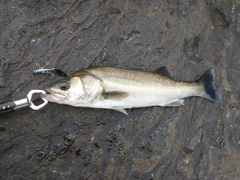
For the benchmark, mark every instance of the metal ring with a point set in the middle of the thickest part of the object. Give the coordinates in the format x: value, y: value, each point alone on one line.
x: 29, y: 97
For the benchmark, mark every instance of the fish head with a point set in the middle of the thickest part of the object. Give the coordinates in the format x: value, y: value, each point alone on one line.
x: 76, y: 90
x: 66, y: 91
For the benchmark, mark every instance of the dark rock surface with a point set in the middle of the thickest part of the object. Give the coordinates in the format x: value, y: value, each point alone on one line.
x: 200, y: 140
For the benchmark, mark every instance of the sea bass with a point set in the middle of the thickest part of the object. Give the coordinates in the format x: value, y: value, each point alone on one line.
x: 119, y: 88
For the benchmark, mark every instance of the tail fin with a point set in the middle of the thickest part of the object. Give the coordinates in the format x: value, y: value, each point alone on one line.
x: 207, y: 80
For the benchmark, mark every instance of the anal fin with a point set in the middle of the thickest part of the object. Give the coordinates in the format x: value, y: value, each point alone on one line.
x: 178, y: 102
x: 120, y: 110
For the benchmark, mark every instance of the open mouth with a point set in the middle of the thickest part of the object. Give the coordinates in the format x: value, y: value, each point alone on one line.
x: 51, y: 92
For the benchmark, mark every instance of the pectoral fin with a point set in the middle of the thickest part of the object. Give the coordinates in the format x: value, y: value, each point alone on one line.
x: 178, y: 102
x: 115, y: 95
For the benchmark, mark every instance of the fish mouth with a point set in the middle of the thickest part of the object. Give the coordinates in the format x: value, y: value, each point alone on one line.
x: 51, y: 93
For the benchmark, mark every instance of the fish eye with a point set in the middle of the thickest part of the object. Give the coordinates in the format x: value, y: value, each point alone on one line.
x: 64, y: 86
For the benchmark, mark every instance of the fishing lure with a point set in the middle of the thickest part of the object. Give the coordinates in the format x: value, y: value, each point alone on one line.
x: 51, y: 71
x: 44, y: 70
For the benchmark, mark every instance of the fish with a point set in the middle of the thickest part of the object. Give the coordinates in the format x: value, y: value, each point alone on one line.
x: 121, y: 88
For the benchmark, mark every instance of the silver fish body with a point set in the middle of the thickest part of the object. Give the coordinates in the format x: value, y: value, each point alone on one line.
x: 119, y: 88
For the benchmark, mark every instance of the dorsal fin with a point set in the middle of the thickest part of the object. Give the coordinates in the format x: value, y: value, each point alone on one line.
x: 164, y: 72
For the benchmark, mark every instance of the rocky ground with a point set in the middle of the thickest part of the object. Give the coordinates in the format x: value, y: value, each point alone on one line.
x: 200, y: 140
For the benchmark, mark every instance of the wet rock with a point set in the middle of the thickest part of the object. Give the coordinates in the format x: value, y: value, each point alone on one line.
x: 2, y: 80
x: 220, y: 19
x: 194, y: 140
x: 65, y: 142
